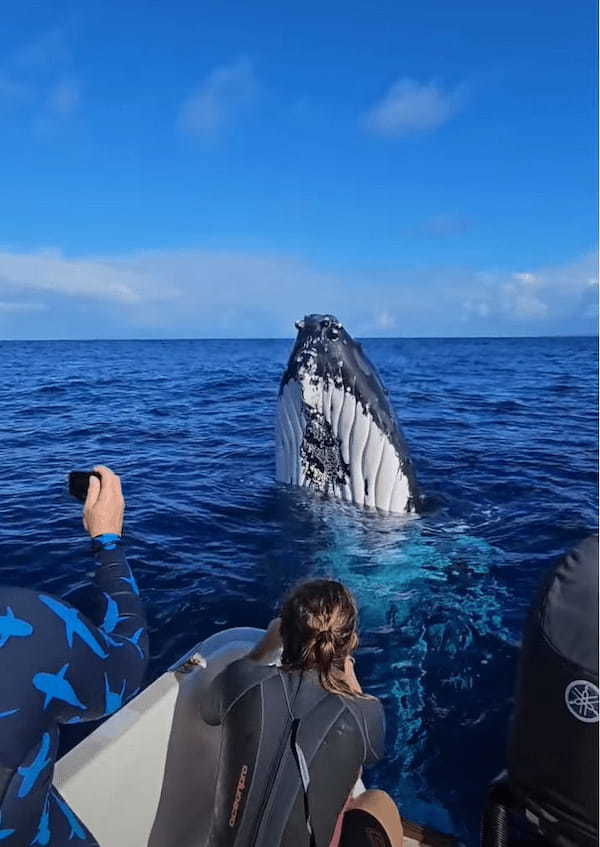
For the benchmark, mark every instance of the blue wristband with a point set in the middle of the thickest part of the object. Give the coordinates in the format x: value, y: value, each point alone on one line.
x: 108, y: 540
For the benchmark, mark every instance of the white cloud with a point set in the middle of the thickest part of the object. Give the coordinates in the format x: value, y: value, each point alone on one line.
x: 521, y: 298
x: 38, y: 76
x: 410, y: 106
x: 16, y: 306
x: 259, y: 294
x: 385, y: 320
x: 89, y: 278
x: 227, y: 92
x: 533, y: 297
x: 526, y: 278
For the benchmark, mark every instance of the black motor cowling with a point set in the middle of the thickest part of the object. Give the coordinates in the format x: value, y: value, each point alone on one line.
x: 553, y: 744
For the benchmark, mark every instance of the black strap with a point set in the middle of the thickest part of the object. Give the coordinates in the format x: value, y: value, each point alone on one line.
x: 300, y: 759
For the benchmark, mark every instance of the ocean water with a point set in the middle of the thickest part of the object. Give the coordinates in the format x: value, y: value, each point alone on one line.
x: 503, y: 434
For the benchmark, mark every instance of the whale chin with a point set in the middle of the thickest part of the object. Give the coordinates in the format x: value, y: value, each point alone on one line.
x: 336, y: 431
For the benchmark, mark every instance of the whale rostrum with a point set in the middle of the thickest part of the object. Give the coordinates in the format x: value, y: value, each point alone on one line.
x: 336, y: 431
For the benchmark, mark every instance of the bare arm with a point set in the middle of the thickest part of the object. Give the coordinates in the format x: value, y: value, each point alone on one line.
x: 270, y: 642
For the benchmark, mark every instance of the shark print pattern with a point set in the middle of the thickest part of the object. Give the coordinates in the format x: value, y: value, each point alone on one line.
x: 33, y: 771
x: 5, y: 833
x: 8, y: 713
x: 76, y: 829
x: 73, y: 625
x: 12, y: 627
x: 62, y: 667
x: 113, y: 700
x: 43, y: 834
x: 56, y: 687
x: 112, y: 618
x: 135, y: 640
x: 130, y: 580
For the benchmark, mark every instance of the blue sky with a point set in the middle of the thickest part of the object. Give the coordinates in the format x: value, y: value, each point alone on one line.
x: 220, y: 169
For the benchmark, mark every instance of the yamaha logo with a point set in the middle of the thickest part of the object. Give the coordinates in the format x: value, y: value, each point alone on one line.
x: 583, y: 700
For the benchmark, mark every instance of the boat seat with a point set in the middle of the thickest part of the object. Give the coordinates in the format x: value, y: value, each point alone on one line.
x: 145, y: 777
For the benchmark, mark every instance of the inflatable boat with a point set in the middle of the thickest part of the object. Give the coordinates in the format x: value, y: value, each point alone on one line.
x: 146, y: 776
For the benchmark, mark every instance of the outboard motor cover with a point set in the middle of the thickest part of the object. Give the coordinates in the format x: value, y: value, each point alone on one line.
x: 553, y: 745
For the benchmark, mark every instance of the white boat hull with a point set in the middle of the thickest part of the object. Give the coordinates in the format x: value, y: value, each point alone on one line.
x: 146, y: 776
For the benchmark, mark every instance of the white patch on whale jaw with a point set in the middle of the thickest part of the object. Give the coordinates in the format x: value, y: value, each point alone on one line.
x: 328, y: 441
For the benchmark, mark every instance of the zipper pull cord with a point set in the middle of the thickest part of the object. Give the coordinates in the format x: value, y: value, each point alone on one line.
x: 299, y: 756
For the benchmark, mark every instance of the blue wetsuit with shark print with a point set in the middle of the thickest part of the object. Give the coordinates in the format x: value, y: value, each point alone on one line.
x: 59, y: 666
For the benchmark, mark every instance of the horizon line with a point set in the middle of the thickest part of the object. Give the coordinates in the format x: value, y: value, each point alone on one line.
x: 291, y: 338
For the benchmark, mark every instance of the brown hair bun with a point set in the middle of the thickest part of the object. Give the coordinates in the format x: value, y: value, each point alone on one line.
x: 318, y: 630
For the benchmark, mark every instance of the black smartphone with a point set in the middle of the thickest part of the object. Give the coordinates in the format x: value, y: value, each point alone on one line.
x: 78, y: 483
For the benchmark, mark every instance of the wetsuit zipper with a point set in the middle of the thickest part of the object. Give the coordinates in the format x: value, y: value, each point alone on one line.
x: 271, y: 783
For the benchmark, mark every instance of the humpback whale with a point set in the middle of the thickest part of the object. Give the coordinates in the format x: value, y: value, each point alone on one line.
x: 336, y: 431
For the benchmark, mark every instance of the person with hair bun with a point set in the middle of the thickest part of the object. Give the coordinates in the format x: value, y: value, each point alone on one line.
x: 297, y: 731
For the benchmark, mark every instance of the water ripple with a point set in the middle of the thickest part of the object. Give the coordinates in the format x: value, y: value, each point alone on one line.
x: 504, y: 437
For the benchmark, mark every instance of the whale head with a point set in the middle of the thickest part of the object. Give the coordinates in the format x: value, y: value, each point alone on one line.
x: 336, y: 431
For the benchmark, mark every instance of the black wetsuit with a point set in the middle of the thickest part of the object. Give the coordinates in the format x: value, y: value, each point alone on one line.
x: 57, y: 667
x: 260, y: 800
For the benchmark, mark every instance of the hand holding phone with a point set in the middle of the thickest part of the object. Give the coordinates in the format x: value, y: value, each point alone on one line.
x: 79, y: 482
x: 104, y: 505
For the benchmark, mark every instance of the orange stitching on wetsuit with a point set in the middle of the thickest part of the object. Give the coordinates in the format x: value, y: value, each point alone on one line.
x: 238, y: 795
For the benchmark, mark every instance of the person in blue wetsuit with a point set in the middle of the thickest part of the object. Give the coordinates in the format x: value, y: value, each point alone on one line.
x: 58, y: 667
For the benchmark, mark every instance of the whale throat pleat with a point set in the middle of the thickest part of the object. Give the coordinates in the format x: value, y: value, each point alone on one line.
x: 372, y: 456
x: 290, y: 428
x: 400, y: 494
x: 386, y: 476
x: 358, y: 441
x: 346, y: 421
x: 296, y: 418
x: 338, y: 396
x: 321, y: 419
x: 282, y: 447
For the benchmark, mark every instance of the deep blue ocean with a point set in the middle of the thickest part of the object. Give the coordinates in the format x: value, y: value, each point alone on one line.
x: 503, y: 434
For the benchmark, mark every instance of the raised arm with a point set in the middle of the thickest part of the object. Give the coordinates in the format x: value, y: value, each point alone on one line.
x: 106, y: 662
x: 269, y: 644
